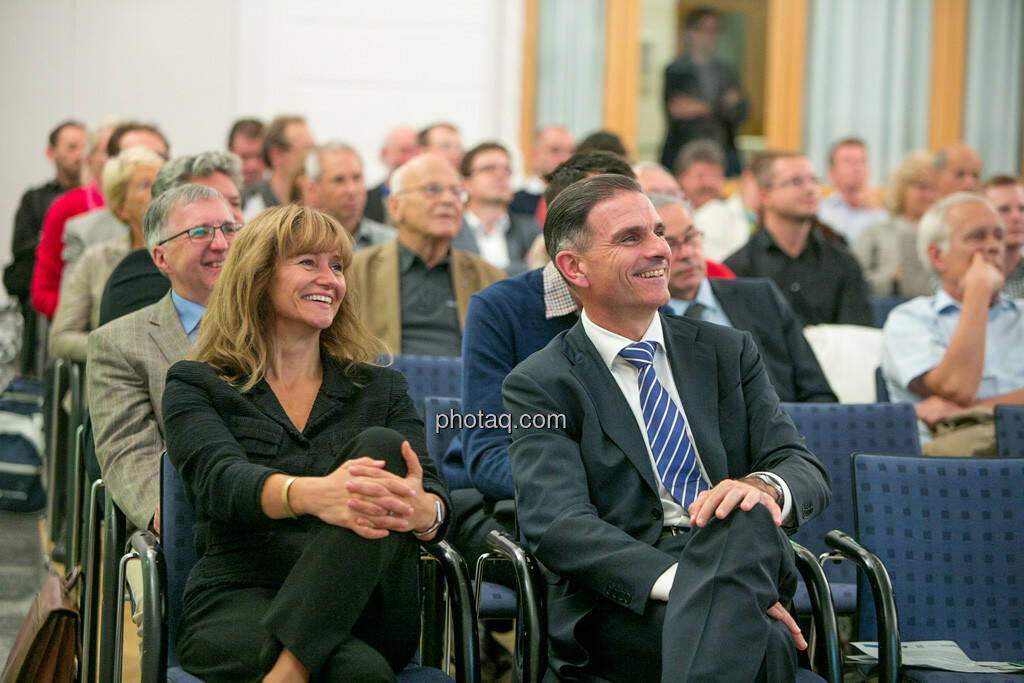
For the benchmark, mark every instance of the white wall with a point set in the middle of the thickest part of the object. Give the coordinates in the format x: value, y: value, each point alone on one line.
x: 355, y: 69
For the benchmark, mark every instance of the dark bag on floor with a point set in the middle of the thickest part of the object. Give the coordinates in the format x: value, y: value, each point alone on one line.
x: 47, y: 646
x: 21, y: 468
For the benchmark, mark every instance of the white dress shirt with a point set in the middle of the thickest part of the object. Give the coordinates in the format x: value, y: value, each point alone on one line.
x: 493, y: 243
x: 608, y: 345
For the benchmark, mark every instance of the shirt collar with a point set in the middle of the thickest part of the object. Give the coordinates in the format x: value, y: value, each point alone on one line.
x: 942, y: 303
x: 407, y: 258
x: 533, y: 185
x: 189, y: 313
x: 558, y: 299
x: 705, y: 297
x: 765, y: 241
x: 473, y: 221
x: 608, y: 344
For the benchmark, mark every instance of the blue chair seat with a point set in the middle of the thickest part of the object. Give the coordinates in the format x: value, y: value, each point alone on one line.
x: 844, y: 595
x: 497, y: 600
x: 933, y: 676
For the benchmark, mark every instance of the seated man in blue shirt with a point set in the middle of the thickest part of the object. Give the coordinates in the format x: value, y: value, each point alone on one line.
x: 961, y: 347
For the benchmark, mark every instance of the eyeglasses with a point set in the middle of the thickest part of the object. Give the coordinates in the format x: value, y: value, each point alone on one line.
x: 499, y: 169
x: 692, y: 238
x: 435, y: 190
x: 205, y: 233
x: 798, y: 181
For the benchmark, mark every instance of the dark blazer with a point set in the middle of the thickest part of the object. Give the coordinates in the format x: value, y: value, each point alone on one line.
x: 376, y: 206
x: 586, y: 494
x: 134, y: 283
x: 522, y: 231
x: 757, y: 306
x: 225, y: 443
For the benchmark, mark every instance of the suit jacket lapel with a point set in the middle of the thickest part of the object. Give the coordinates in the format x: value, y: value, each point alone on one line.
x: 166, y: 331
x: 613, y: 411
x: 694, y: 370
x: 464, y: 282
x: 385, y: 289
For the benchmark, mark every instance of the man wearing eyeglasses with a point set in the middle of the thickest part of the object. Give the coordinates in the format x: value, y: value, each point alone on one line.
x: 818, y: 275
x: 413, y: 291
x: 488, y: 228
x: 187, y: 230
x: 751, y: 304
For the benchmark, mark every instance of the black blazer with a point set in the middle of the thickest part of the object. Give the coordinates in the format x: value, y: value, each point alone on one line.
x: 225, y: 444
x: 757, y: 306
x: 586, y: 494
x: 376, y: 208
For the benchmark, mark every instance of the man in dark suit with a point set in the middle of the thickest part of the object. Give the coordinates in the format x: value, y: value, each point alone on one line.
x: 653, y: 468
x: 751, y: 304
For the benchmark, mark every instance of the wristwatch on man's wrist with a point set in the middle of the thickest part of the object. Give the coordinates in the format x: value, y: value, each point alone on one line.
x: 772, y: 484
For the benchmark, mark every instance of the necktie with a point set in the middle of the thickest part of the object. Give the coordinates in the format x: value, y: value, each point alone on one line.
x: 695, y: 310
x: 666, y: 428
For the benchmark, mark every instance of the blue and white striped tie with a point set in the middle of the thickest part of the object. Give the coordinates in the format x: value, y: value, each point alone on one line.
x: 666, y: 428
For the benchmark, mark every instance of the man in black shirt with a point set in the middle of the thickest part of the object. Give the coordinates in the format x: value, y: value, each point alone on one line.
x: 66, y: 150
x: 816, y: 273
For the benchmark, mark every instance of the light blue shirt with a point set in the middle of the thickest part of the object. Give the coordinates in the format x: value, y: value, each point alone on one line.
x: 189, y: 313
x: 846, y: 220
x: 712, y: 312
x: 917, y: 333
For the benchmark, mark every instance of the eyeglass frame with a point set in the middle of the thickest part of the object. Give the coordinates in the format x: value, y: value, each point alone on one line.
x: 213, y: 228
x: 435, y: 190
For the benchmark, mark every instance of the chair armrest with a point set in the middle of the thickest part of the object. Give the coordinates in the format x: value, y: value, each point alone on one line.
x: 531, y: 643
x: 829, y: 662
x: 889, y: 657
x: 456, y: 575
x: 153, y: 662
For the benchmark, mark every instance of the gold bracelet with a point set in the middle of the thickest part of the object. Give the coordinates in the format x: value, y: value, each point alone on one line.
x: 284, y: 497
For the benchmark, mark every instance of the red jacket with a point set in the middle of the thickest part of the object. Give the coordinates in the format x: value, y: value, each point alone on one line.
x: 49, y: 261
x: 719, y: 270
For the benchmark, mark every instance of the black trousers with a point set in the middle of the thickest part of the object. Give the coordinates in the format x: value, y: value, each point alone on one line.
x: 349, y: 610
x: 714, y: 626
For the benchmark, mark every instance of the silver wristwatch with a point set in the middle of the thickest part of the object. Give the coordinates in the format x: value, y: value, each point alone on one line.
x: 438, y: 520
x: 772, y: 484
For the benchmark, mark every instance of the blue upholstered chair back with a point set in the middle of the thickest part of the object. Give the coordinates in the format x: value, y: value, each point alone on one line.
x: 1010, y: 431
x: 833, y: 432
x: 430, y: 376
x: 176, y: 520
x: 438, y: 440
x: 881, y: 306
x: 950, y: 532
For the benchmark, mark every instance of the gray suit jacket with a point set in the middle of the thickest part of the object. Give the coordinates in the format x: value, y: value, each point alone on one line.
x: 128, y: 360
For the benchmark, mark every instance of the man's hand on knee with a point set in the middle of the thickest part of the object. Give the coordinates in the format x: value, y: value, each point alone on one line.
x: 777, y: 611
x: 727, y: 494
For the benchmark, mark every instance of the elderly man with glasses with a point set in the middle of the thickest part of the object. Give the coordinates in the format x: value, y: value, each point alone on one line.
x: 413, y: 291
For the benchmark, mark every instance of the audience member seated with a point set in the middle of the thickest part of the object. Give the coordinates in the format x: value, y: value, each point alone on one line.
x: 245, y: 140
x: 285, y: 143
x: 728, y: 223
x: 959, y: 169
x: 136, y: 282
x: 66, y: 149
x: 49, y: 265
x: 413, y: 291
x: 753, y: 305
x: 300, y: 459
x: 851, y: 206
x: 887, y: 251
x: 187, y: 229
x: 551, y: 146
x: 818, y: 275
x: 700, y: 170
x: 399, y: 146
x: 959, y: 348
x: 659, y: 534
x: 488, y: 227
x: 1007, y: 196
x: 126, y: 189
x: 335, y: 174
x: 442, y: 138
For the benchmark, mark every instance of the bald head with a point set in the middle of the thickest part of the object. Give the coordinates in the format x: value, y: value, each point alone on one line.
x: 399, y: 147
x: 426, y: 199
x: 959, y: 168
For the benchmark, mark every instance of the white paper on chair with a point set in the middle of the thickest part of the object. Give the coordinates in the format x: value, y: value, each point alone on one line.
x: 945, y: 655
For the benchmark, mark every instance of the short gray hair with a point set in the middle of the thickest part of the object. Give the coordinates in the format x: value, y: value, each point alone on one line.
x: 155, y: 219
x: 313, y: 167
x: 934, y: 228
x: 180, y: 170
x: 660, y: 201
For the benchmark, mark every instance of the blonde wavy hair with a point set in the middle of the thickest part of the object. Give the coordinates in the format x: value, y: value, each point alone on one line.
x: 914, y: 168
x: 236, y: 332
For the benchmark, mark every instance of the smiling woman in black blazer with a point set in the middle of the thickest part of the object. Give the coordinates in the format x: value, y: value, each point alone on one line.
x: 300, y: 459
